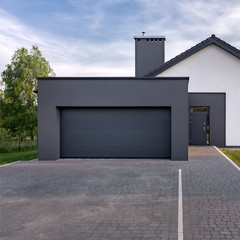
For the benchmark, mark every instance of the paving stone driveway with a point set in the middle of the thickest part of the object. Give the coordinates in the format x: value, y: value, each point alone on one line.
x: 120, y: 199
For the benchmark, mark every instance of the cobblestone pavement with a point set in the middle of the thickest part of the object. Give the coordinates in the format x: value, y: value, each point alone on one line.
x: 120, y: 199
x: 212, y: 196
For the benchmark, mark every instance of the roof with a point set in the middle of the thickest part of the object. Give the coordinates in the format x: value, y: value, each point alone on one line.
x: 112, y: 78
x: 211, y: 40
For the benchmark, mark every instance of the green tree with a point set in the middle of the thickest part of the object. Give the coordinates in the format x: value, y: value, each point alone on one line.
x: 18, y: 102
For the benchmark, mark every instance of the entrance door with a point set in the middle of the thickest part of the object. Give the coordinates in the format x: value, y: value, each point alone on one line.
x: 198, y: 128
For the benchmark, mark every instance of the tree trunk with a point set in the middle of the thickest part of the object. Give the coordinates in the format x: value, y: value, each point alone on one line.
x: 19, y: 141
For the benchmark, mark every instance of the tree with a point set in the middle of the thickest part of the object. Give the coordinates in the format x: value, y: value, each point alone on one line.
x: 18, y: 102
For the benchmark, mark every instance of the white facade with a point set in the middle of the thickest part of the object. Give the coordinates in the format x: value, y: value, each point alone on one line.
x: 214, y: 70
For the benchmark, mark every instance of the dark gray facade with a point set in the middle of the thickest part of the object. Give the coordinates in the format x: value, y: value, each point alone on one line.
x: 57, y: 93
x: 149, y: 54
x: 216, y: 104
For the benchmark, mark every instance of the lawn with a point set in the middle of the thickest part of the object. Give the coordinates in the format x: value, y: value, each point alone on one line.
x: 17, y: 156
x: 233, y: 155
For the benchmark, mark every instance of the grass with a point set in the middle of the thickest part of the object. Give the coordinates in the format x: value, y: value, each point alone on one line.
x: 17, y: 156
x: 233, y: 155
x: 9, y: 146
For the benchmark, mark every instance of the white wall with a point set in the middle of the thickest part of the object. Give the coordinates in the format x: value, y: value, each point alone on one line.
x: 214, y: 70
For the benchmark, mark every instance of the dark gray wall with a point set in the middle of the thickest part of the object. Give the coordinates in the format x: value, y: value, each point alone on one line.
x: 54, y: 93
x: 216, y: 104
x: 149, y: 54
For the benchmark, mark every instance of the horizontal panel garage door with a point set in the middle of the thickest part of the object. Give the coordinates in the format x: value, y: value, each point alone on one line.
x: 116, y: 132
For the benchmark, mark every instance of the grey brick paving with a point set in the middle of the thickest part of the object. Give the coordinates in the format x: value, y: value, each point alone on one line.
x: 120, y: 199
x: 212, y: 193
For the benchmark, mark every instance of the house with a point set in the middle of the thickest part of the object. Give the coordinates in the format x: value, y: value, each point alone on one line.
x: 213, y: 67
x: 191, y: 99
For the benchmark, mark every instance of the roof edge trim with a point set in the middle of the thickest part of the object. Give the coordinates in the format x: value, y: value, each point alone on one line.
x: 113, y: 78
x: 149, y: 37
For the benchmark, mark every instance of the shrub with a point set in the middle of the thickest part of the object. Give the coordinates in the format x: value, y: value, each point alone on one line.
x: 13, y: 145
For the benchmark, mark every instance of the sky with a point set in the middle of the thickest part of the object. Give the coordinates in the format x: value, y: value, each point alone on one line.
x: 96, y: 37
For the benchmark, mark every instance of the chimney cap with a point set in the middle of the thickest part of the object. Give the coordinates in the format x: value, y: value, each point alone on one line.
x: 150, y: 37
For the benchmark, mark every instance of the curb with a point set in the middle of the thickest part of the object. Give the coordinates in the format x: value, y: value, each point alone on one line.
x: 233, y: 163
x: 9, y: 164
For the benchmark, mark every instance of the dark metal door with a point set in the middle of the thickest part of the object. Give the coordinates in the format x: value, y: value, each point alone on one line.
x: 116, y: 132
x: 198, y: 128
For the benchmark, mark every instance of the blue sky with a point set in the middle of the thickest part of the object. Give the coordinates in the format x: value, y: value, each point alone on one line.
x: 95, y: 37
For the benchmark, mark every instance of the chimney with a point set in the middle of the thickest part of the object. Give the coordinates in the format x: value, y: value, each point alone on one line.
x: 149, y: 53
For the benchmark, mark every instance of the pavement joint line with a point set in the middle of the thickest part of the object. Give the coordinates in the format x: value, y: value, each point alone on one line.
x: 233, y: 163
x: 180, y: 206
x: 10, y: 163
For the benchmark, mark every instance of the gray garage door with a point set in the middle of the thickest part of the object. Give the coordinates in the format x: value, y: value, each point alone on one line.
x: 116, y: 132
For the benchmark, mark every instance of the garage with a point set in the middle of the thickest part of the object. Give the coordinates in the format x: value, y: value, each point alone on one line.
x: 115, y: 132
x: 114, y: 117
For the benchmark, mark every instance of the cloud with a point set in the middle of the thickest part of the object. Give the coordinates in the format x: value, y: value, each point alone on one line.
x: 68, y: 57
x: 187, y: 22
x: 105, y: 45
x: 94, y: 12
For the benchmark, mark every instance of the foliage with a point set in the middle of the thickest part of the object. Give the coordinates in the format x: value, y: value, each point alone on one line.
x: 12, y: 145
x: 18, y: 102
x: 17, y: 156
x: 233, y: 155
